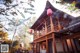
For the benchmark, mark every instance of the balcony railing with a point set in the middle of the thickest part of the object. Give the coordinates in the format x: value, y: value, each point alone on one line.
x: 39, y: 33
x: 48, y: 28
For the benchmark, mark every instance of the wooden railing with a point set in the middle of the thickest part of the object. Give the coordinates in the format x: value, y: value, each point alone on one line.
x: 39, y: 33
x: 48, y: 28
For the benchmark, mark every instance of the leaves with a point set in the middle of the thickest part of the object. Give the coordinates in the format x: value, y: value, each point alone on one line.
x: 10, y: 16
x: 21, y: 14
x: 13, y: 13
x: 31, y: 4
x: 30, y: 9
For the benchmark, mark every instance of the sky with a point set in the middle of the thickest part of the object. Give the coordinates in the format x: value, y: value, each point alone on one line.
x: 39, y: 6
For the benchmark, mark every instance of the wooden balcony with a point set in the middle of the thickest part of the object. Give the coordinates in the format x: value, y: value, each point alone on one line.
x: 42, y: 33
x: 38, y: 34
x: 48, y: 28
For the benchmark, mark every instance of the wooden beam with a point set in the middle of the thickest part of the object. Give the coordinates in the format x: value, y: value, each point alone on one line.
x: 47, y: 34
x: 75, y: 35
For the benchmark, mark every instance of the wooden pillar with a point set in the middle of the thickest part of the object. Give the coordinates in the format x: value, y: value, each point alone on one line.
x: 46, y: 37
x: 59, y: 26
x: 73, y: 45
x: 45, y: 26
x: 39, y: 47
x: 36, y: 48
x: 54, y: 44
x: 67, y: 46
x: 33, y: 47
x: 54, y: 41
x: 51, y: 23
x: 46, y: 45
x: 35, y: 33
x: 63, y: 44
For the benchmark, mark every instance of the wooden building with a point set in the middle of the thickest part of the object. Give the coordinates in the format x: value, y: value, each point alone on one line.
x: 57, y: 32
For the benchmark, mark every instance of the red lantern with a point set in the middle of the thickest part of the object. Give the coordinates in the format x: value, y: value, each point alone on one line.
x: 49, y: 12
x: 30, y: 31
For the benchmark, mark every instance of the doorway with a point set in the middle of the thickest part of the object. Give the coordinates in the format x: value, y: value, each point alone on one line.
x: 50, y: 50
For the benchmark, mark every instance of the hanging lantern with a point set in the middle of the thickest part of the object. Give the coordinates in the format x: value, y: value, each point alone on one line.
x: 30, y: 31
x: 49, y: 12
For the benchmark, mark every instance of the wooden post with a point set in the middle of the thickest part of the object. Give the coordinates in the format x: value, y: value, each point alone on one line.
x: 67, y: 46
x: 63, y: 44
x: 46, y: 45
x: 54, y: 44
x: 71, y: 45
x: 35, y: 33
x: 59, y: 26
x: 74, y: 48
x: 54, y: 41
x: 51, y: 22
x: 46, y: 37
x: 33, y: 47
x: 39, y: 47
x: 36, y: 48
x: 45, y: 27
